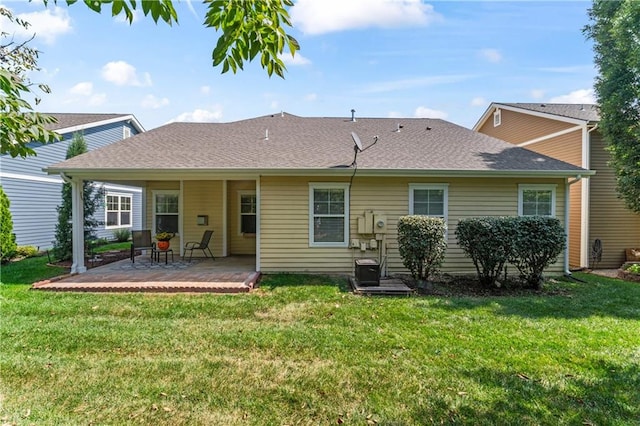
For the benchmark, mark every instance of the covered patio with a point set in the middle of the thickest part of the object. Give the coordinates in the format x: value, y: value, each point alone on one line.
x: 233, y: 274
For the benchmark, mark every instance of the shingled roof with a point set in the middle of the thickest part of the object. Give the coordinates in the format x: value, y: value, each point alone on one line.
x: 586, y: 112
x: 284, y: 142
x: 75, y: 121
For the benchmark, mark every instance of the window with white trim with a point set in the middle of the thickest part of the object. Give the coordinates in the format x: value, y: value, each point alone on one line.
x: 328, y: 214
x: 247, y: 210
x: 117, y: 210
x: 166, y: 211
x: 497, y: 118
x: 537, y: 200
x: 429, y: 199
x: 126, y: 132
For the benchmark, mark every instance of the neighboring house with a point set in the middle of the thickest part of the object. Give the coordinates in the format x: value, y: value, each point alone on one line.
x: 34, y: 195
x: 569, y: 132
x: 285, y: 189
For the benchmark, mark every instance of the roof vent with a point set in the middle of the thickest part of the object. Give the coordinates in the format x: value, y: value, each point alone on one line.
x: 281, y: 113
x: 398, y: 127
x: 542, y: 105
x: 581, y: 107
x: 353, y: 114
x: 266, y: 134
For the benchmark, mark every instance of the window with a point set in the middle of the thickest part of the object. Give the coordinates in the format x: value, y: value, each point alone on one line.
x: 497, y: 118
x: 328, y: 214
x: 165, y: 211
x: 126, y: 132
x: 429, y: 199
x: 118, y: 210
x: 247, y: 212
x: 537, y: 200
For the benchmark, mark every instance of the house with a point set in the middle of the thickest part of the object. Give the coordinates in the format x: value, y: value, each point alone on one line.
x: 34, y: 195
x: 569, y: 132
x: 293, y: 192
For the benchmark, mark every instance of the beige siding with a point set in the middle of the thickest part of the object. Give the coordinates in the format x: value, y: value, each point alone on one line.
x: 617, y: 227
x: 517, y: 127
x: 285, y: 219
x: 238, y: 243
x: 568, y: 148
x: 203, y: 198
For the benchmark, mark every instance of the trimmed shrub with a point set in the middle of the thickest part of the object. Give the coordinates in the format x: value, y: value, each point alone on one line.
x: 27, y: 251
x: 487, y: 241
x: 422, y: 244
x: 122, y: 235
x: 537, y: 243
x: 7, y: 237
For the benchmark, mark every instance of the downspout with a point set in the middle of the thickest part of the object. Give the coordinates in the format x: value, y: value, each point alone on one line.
x: 567, y: 198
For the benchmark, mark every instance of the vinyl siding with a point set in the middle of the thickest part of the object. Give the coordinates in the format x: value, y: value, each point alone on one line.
x: 238, y: 243
x: 34, y: 195
x: 517, y: 127
x: 617, y: 227
x: 284, y: 219
x: 203, y: 198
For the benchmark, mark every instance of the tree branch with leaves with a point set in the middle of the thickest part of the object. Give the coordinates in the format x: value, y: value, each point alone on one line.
x: 245, y: 28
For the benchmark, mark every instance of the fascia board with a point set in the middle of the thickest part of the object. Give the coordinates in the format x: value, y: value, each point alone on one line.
x: 93, y: 124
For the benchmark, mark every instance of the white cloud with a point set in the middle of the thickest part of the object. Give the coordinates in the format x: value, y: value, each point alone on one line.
x: 205, y: 90
x: 121, y: 73
x: 294, y: 60
x: 392, y: 86
x: 537, y: 93
x: 319, y: 17
x: 200, y: 115
x: 275, y: 105
x: 478, y: 101
x: 47, y: 24
x: 491, y: 55
x: 85, y: 89
x: 311, y: 97
x: 394, y: 114
x: 581, y: 96
x: 98, y: 99
x: 424, y: 112
x: 152, y: 102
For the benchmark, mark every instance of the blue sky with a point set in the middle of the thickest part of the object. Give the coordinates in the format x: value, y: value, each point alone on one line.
x: 383, y: 58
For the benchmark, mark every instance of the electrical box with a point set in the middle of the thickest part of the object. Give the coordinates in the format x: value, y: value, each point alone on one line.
x: 368, y: 221
x: 362, y: 228
x: 373, y: 244
x: 368, y: 272
x: 355, y: 243
x: 379, y: 224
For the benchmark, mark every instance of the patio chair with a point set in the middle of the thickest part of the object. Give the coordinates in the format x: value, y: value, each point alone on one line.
x: 141, y: 240
x: 202, y: 245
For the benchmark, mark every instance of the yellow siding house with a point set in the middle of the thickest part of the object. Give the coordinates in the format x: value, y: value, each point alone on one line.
x: 569, y: 132
x: 313, y: 194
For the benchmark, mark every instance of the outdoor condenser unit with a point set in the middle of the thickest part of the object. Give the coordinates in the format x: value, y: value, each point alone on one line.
x: 368, y: 272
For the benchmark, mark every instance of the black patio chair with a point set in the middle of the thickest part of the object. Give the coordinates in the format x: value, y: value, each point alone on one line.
x: 202, y: 245
x: 141, y: 240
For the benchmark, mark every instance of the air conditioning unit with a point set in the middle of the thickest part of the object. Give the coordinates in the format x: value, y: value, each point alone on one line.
x: 367, y: 272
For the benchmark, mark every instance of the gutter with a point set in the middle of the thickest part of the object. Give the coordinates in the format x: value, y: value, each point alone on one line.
x: 567, y: 196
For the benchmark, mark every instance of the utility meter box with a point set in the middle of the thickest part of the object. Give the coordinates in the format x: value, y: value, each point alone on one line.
x: 368, y: 272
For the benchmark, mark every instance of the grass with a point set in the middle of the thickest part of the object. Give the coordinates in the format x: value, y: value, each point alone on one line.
x: 301, y: 350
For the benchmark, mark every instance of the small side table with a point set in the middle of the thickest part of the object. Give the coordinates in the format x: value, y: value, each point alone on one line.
x: 156, y: 255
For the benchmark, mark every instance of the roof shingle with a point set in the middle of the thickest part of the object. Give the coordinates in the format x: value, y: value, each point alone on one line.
x: 313, y: 143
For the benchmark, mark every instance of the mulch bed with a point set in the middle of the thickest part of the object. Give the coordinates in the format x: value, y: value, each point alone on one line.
x: 468, y: 286
x: 99, y: 259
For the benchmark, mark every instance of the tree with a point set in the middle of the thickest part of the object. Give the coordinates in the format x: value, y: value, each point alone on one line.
x: 615, y: 30
x: 7, y: 237
x: 246, y: 28
x: 92, y: 198
x: 19, y: 124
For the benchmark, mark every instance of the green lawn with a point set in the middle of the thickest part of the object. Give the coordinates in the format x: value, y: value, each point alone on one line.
x: 301, y: 350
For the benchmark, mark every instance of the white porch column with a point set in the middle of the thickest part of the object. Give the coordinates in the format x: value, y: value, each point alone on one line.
x: 77, y: 218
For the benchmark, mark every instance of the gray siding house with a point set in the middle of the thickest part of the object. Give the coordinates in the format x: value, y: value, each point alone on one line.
x: 34, y: 195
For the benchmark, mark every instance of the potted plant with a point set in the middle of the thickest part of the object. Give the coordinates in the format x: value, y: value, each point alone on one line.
x: 163, y: 240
